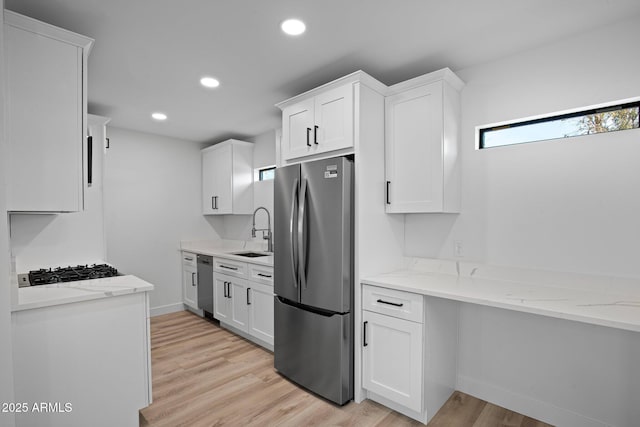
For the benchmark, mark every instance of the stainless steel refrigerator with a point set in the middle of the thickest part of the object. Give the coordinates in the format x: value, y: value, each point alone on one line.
x: 313, y: 277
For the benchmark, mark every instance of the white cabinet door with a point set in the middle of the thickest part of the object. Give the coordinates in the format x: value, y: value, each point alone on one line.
x: 392, y: 359
x: 414, y: 150
x: 238, y: 300
x: 334, y: 119
x: 223, y: 174
x: 189, y: 280
x: 297, y: 130
x: 221, y: 306
x: 208, y: 182
x: 261, y: 311
x: 318, y: 124
x: 46, y: 115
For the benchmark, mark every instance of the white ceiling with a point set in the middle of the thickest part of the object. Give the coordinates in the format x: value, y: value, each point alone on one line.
x: 150, y: 54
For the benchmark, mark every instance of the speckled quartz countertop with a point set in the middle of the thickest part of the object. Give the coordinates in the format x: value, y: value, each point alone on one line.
x: 227, y: 249
x: 31, y: 297
x: 599, y: 300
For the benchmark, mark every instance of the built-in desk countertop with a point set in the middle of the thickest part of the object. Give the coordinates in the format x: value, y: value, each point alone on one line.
x: 598, y: 300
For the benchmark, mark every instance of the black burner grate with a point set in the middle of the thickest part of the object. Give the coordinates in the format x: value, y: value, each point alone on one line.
x: 71, y: 274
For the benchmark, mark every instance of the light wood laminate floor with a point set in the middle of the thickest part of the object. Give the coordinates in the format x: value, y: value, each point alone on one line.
x: 204, y: 375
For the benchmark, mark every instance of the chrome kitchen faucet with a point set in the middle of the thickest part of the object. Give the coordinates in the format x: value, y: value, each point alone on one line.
x: 269, y: 235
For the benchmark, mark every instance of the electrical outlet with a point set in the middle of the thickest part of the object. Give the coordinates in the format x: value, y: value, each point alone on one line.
x: 23, y: 280
x: 458, y: 248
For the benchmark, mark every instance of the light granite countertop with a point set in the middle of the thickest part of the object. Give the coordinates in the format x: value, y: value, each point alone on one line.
x: 227, y: 249
x: 32, y: 297
x: 597, y: 300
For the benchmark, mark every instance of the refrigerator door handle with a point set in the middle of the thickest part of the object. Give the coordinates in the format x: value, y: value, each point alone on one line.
x: 301, y: 225
x: 294, y: 200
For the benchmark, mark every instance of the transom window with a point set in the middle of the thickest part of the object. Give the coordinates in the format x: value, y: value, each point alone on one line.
x: 267, y: 174
x: 609, y: 118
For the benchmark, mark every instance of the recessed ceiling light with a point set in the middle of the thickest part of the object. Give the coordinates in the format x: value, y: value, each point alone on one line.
x: 293, y: 27
x: 209, y: 82
x: 159, y: 116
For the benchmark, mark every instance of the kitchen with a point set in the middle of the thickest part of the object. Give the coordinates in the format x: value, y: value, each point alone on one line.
x: 531, y: 206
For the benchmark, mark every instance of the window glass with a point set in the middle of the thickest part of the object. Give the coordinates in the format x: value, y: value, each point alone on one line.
x: 267, y: 174
x: 586, y: 122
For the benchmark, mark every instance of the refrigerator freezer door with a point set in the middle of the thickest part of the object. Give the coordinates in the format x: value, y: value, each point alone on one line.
x: 326, y: 250
x: 315, y: 350
x: 285, y: 214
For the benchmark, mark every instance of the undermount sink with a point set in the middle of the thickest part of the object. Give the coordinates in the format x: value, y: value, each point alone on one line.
x: 250, y: 254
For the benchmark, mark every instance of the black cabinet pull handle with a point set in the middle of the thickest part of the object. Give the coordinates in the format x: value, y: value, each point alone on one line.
x: 108, y: 143
x: 193, y: 281
x: 89, y: 160
x: 388, y: 183
x: 248, y: 302
x: 228, y: 268
x: 364, y: 334
x: 224, y: 289
x: 268, y: 276
x: 315, y: 134
x: 212, y: 203
x: 308, y: 142
x: 396, y: 304
x: 229, y: 290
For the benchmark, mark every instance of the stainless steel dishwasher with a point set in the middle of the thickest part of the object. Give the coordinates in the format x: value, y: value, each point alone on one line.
x: 205, y: 283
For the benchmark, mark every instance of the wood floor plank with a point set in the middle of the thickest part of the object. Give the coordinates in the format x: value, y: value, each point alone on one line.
x: 460, y: 410
x: 205, y: 376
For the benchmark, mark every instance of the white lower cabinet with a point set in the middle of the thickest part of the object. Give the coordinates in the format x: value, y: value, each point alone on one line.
x: 244, y: 305
x: 261, y: 311
x: 90, y: 358
x: 409, y: 350
x: 190, y: 280
x: 238, y: 297
x: 392, y: 359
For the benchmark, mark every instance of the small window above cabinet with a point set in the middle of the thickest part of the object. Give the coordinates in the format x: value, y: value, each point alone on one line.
x: 422, y: 170
x: 227, y: 178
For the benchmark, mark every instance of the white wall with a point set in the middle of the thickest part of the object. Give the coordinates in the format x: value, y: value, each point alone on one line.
x: 6, y: 363
x: 568, y: 205
x: 41, y: 241
x: 152, y: 202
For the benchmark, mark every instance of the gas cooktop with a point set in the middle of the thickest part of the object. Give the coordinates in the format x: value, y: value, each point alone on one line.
x: 71, y: 274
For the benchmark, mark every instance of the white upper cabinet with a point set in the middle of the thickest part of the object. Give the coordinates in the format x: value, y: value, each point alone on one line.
x: 46, y: 115
x: 422, y: 144
x: 320, y: 121
x: 227, y: 178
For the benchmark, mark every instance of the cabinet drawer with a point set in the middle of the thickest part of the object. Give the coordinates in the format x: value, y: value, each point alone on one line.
x: 234, y: 268
x: 189, y: 260
x: 400, y: 304
x: 261, y: 274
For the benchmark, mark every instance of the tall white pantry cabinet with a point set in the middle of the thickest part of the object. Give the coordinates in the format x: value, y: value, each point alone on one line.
x: 46, y: 73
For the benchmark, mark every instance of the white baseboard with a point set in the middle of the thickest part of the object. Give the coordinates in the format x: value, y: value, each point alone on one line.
x: 526, y: 405
x: 166, y: 309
